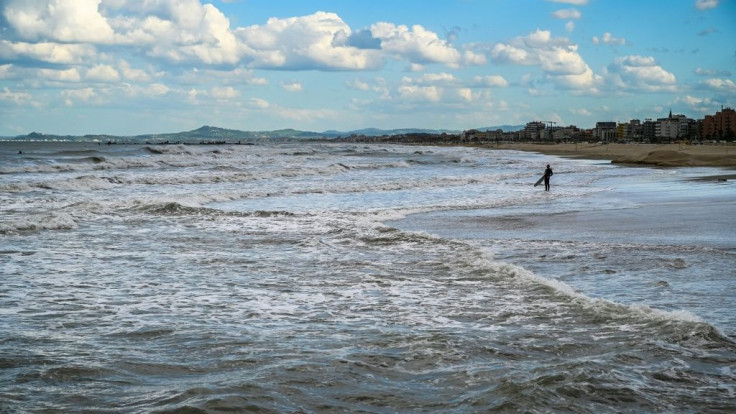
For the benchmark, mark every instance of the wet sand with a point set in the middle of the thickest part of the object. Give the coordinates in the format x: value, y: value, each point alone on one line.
x: 663, y: 155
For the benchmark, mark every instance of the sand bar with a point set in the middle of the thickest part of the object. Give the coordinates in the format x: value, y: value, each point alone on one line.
x: 663, y: 155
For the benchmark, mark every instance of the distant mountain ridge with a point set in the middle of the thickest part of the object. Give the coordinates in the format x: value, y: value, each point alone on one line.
x: 208, y: 133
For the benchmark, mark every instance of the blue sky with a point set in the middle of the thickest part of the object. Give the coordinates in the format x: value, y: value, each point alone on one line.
x: 131, y: 67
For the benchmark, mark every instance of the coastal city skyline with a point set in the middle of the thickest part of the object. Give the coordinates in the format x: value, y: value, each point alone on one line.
x: 126, y: 68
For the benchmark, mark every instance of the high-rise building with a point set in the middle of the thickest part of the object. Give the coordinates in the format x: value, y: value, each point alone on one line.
x: 605, y: 131
x: 533, y: 130
x: 673, y: 127
x: 722, y: 125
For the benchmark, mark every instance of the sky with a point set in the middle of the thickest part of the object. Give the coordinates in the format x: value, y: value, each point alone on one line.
x: 128, y: 67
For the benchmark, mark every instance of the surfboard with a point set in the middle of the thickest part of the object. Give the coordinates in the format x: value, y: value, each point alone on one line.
x: 539, y: 181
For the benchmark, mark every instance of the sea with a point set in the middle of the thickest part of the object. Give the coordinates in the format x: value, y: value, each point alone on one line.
x: 313, y: 277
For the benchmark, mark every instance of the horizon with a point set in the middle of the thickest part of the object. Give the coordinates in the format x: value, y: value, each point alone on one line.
x: 123, y: 68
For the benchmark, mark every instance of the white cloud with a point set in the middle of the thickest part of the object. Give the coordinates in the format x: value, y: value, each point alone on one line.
x: 193, y: 95
x: 570, y: 26
x: 82, y: 94
x: 17, y: 98
x: 420, y: 93
x: 639, y: 73
x: 292, y: 86
x: 48, y: 52
x: 696, y: 104
x: 317, y: 41
x: 721, y: 85
x: 566, y: 14
x: 64, y: 75
x: 259, y: 103
x: 129, y: 73
x: 102, y: 73
x: 557, y: 57
x: 706, y: 4
x: 225, y: 93
x: 608, y: 39
x: 433, y: 79
x: 416, y: 67
x: 158, y: 89
x: 7, y: 71
x: 490, y: 81
x: 711, y: 72
x: 358, y: 85
x: 63, y: 31
x: 465, y: 94
x: 581, y: 111
x: 422, y: 46
x: 62, y: 21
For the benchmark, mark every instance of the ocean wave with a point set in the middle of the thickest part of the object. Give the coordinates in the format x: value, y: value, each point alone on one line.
x: 34, y: 223
x: 679, y: 326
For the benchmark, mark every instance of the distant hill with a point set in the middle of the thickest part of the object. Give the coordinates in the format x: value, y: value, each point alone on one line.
x: 504, y: 128
x: 208, y: 134
x: 375, y: 132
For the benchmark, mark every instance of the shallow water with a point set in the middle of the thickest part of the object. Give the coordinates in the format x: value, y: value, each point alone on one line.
x: 332, y: 278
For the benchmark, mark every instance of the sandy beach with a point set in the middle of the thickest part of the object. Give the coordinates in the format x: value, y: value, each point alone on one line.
x: 664, y: 155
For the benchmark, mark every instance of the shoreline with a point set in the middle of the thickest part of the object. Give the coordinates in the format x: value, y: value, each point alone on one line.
x: 660, y: 155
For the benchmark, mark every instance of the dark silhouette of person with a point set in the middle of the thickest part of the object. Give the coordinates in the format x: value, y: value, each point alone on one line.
x: 547, y: 173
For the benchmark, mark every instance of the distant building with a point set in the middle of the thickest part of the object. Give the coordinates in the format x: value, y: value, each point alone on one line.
x: 673, y: 127
x: 722, y: 125
x: 605, y: 131
x: 533, y: 130
x: 649, y: 130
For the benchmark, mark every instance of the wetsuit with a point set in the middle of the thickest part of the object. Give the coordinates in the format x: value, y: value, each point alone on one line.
x: 547, y: 173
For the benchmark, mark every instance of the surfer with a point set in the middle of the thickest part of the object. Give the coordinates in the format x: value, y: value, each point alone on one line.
x: 547, y: 173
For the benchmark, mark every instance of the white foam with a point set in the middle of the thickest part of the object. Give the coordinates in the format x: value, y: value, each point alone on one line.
x: 52, y: 221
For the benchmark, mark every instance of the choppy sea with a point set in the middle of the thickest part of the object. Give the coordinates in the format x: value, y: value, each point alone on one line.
x: 318, y: 278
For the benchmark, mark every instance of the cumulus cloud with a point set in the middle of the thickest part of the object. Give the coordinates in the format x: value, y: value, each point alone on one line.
x: 102, y: 73
x: 446, y: 88
x: 158, y: 89
x: 48, y: 52
x: 81, y: 94
x: 581, y: 111
x: 639, y: 73
x: 706, y: 4
x: 701, y: 105
x: 711, y: 72
x: 490, y: 81
x: 445, y: 79
x: 318, y: 41
x: 17, y: 98
x: 7, y: 71
x: 557, y: 57
x: 564, y: 14
x: 225, y: 93
x: 422, y: 46
x: 63, y: 75
x: 292, y: 86
x: 721, y: 85
x: 259, y: 103
x: 132, y: 74
x: 185, y: 31
x: 420, y: 93
x: 608, y: 39
x: 358, y: 85
x: 63, y: 21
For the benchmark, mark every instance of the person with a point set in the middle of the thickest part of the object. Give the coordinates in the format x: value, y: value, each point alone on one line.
x: 547, y: 173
